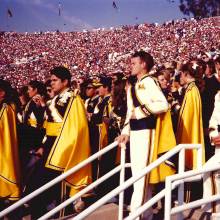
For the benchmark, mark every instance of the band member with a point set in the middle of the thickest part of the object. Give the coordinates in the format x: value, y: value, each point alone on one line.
x: 66, y: 142
x: 31, y: 130
x: 190, y: 127
x: 100, y: 117
x: 90, y: 104
x: 146, y: 126
x: 92, y: 96
x: 10, y: 178
x: 116, y: 121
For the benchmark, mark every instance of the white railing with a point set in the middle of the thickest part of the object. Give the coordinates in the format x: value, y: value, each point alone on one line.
x: 179, y: 148
x: 121, y: 168
x: 171, y: 183
x: 119, y: 190
x: 65, y: 175
x: 175, y: 179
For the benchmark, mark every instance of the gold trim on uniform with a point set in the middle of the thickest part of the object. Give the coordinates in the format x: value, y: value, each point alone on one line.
x: 190, y: 126
x: 32, y: 122
x: 9, y: 168
x: 52, y: 128
x: 144, y: 108
x: 72, y: 146
x: 164, y: 141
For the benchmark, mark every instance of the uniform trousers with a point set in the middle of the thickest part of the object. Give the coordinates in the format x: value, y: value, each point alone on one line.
x: 141, y: 146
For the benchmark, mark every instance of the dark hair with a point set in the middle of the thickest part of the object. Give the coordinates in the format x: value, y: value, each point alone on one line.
x: 146, y: 58
x: 119, y: 94
x: 177, y: 78
x: 188, y: 68
x: 5, y: 86
x: 62, y: 73
x: 195, y: 73
x: 41, y: 88
x: 48, y: 83
x: 23, y: 92
x: 118, y: 75
x: 11, y: 95
x: 217, y: 60
x: 132, y: 80
x: 106, y: 82
x: 211, y: 65
x: 159, y: 73
x: 74, y: 84
x: 202, y: 65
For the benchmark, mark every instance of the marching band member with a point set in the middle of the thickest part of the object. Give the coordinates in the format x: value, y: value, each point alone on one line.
x: 66, y: 142
x: 147, y: 126
x: 10, y: 177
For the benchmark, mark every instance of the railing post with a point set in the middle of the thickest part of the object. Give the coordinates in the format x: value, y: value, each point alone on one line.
x: 215, y: 216
x: 122, y: 178
x: 199, y: 157
x: 57, y: 179
x: 181, y: 186
x: 168, y: 199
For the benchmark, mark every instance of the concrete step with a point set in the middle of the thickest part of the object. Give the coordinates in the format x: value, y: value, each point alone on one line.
x: 110, y: 212
x: 106, y: 212
x: 194, y: 214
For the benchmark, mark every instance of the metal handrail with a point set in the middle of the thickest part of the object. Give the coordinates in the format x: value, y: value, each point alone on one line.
x: 92, y: 186
x: 118, y: 190
x: 171, y: 183
x: 57, y: 179
x: 179, y: 177
x: 133, y: 179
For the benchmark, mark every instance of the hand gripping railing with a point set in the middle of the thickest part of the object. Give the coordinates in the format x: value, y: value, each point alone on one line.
x: 71, y: 171
x: 179, y: 148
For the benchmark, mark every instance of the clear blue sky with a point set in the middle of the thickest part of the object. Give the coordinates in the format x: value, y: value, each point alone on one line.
x: 36, y: 15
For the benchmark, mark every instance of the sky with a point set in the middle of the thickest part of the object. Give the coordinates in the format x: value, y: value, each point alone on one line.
x: 78, y: 15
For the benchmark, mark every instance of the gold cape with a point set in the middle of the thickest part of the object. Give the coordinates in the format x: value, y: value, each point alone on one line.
x: 9, y: 160
x: 103, y: 127
x: 190, y: 127
x: 163, y: 142
x: 103, y: 136
x: 72, y: 146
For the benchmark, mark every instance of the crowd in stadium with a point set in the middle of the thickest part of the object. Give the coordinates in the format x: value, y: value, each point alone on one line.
x: 25, y: 56
x: 47, y: 80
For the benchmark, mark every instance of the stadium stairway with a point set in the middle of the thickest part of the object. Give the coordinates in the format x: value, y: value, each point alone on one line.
x: 110, y: 212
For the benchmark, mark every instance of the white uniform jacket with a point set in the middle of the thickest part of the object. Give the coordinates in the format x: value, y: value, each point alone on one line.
x: 151, y: 98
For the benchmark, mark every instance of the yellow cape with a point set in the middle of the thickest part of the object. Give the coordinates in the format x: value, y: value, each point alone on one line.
x: 103, y: 127
x: 9, y: 161
x: 190, y: 128
x: 103, y: 136
x: 72, y: 146
x: 163, y: 142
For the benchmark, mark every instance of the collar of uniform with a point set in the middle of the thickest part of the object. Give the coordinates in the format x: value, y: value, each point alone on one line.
x: 94, y: 97
x: 143, y: 77
x: 107, y: 96
x: 190, y: 84
x: 64, y: 91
